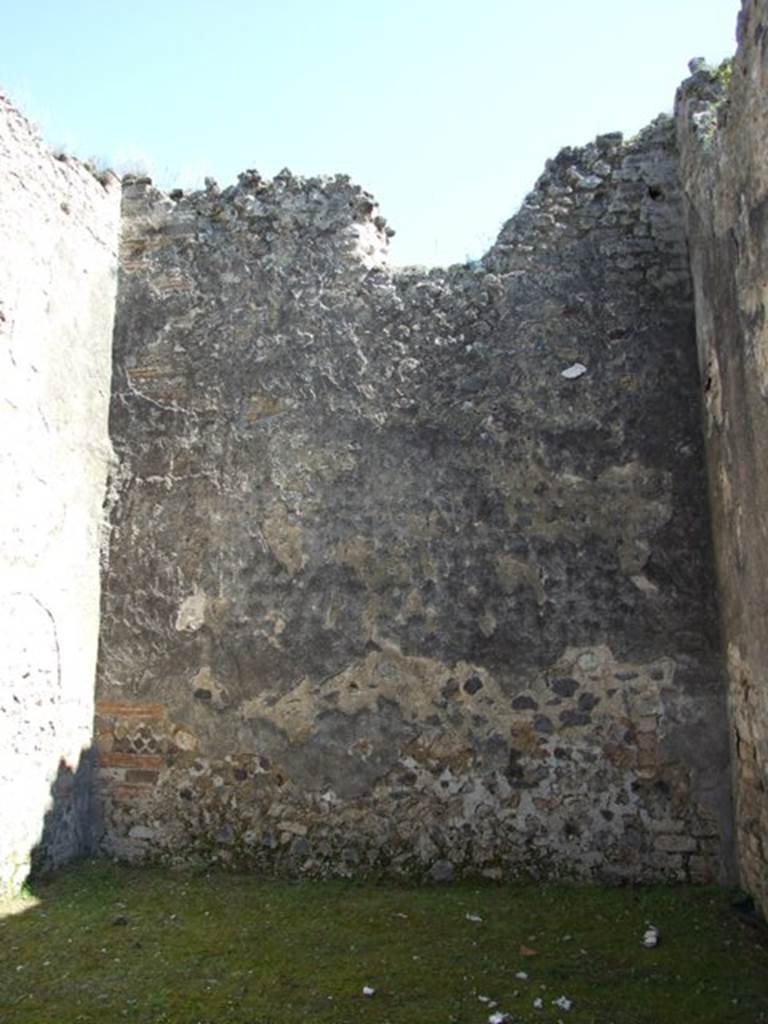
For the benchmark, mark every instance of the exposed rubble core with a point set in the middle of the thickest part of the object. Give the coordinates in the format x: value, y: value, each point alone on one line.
x: 391, y: 587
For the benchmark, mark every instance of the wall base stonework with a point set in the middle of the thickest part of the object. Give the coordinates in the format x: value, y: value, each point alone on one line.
x: 443, y: 809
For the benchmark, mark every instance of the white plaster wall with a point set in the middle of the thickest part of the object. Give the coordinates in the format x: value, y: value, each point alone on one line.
x: 58, y: 265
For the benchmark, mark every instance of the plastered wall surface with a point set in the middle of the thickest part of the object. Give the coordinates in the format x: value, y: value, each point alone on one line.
x: 723, y: 129
x: 58, y: 253
x: 409, y: 571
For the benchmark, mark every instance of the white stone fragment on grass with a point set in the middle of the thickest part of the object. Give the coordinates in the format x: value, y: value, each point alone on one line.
x: 499, y: 1018
x: 563, y: 1003
x: 651, y: 937
x: 522, y: 976
x: 368, y: 991
x: 538, y: 1004
x: 574, y: 371
x: 473, y: 917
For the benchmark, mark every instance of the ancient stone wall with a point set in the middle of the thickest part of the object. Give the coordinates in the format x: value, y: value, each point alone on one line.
x: 409, y: 571
x: 58, y: 256
x: 723, y: 128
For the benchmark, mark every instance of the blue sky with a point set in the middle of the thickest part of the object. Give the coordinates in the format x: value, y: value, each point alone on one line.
x: 446, y: 111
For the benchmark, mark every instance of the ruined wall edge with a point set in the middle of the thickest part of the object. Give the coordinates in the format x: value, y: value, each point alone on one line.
x: 722, y: 122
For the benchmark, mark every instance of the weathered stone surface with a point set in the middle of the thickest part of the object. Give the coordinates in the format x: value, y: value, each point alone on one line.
x: 723, y: 129
x: 58, y: 263
x: 395, y: 574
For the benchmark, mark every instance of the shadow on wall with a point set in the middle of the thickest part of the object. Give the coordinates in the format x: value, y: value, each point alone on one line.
x: 46, y: 730
x: 68, y: 829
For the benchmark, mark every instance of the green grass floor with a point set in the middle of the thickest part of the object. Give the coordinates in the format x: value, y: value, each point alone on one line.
x: 102, y: 943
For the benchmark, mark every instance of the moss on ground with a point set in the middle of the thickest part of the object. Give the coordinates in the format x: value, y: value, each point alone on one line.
x: 108, y: 943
